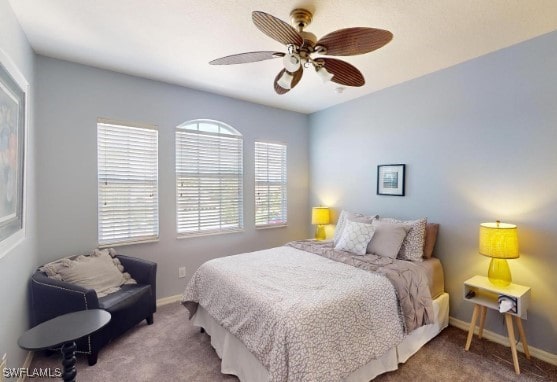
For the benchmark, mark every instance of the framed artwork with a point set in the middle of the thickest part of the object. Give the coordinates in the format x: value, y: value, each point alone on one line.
x: 390, y: 179
x: 13, y: 89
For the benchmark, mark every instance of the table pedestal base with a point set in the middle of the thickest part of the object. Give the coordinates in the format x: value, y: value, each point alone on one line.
x: 69, y: 361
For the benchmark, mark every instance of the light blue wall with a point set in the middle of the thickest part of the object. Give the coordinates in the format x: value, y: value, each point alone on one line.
x: 17, y: 264
x: 72, y: 96
x: 479, y: 142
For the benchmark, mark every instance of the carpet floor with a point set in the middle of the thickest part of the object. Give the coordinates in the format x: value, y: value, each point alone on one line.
x: 172, y: 349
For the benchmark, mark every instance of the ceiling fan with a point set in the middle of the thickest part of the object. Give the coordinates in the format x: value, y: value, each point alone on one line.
x: 302, y: 45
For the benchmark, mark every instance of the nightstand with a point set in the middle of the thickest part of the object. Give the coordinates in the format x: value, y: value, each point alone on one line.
x: 484, y: 294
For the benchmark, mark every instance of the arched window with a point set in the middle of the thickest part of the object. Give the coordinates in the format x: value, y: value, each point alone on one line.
x: 209, y: 178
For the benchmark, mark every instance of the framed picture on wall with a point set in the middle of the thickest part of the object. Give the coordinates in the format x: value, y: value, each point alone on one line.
x: 390, y: 179
x: 12, y: 145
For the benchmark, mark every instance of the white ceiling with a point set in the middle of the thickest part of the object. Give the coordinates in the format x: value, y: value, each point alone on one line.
x: 173, y: 40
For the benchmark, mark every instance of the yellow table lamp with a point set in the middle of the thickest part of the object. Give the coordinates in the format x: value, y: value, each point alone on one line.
x: 500, y: 242
x: 320, y: 216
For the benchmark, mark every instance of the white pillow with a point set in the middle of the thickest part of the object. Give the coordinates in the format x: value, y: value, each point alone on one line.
x: 387, y: 239
x: 346, y: 215
x: 355, y: 237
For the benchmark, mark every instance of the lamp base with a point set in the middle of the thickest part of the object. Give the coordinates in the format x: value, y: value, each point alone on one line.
x: 499, y: 272
x: 320, y: 232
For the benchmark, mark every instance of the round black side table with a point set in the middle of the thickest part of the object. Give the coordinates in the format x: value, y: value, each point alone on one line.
x: 64, y: 330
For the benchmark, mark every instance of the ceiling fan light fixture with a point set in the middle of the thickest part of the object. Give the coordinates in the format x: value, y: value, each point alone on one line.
x: 285, y: 81
x: 292, y: 62
x: 324, y: 74
x: 302, y: 46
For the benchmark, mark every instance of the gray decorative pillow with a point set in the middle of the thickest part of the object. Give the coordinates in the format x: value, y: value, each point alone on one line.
x: 98, y: 271
x: 355, y: 237
x: 387, y: 239
x: 346, y: 215
x: 413, y: 245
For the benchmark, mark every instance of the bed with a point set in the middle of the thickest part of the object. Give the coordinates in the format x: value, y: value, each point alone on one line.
x: 307, y: 311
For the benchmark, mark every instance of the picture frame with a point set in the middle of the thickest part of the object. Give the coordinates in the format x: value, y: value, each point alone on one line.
x: 391, y: 179
x: 13, y: 121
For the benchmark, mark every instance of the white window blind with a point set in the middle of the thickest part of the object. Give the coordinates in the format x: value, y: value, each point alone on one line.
x: 209, y: 178
x: 128, y: 203
x: 270, y: 184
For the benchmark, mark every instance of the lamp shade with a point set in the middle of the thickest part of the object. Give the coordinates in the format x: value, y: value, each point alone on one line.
x: 285, y: 81
x: 499, y: 240
x: 324, y: 74
x: 292, y: 62
x: 320, y: 215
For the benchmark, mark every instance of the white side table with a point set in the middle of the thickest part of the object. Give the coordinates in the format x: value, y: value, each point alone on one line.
x: 480, y: 291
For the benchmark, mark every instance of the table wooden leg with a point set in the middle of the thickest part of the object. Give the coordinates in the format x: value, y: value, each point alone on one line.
x: 472, y: 326
x: 512, y: 340
x: 483, y: 312
x: 522, y: 336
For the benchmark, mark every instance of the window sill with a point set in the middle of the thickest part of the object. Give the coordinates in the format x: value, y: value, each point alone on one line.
x: 212, y: 233
x: 271, y: 226
x: 122, y: 243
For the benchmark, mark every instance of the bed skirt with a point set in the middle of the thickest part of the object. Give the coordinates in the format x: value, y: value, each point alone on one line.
x: 237, y: 359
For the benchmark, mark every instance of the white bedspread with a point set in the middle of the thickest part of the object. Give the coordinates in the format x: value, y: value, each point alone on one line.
x: 297, y: 311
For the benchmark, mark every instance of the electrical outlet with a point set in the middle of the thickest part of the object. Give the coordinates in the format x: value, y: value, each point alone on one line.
x: 181, y: 272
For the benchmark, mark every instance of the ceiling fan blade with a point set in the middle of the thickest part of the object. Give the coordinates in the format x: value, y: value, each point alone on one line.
x: 276, y: 28
x: 296, y: 77
x: 352, y: 41
x: 343, y: 72
x: 243, y: 58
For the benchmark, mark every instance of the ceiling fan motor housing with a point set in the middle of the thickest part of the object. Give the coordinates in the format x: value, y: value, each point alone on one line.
x: 300, y: 18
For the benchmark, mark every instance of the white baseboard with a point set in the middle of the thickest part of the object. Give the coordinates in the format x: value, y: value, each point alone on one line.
x: 169, y: 300
x: 503, y: 340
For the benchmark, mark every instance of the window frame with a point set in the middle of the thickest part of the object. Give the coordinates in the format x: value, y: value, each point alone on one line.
x: 283, y: 184
x: 154, y: 237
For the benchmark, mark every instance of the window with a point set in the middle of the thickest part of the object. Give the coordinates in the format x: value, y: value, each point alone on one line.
x: 209, y: 176
x: 270, y: 184
x: 128, y: 203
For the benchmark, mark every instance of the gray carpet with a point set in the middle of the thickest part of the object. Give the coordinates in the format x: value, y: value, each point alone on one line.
x: 173, y: 350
